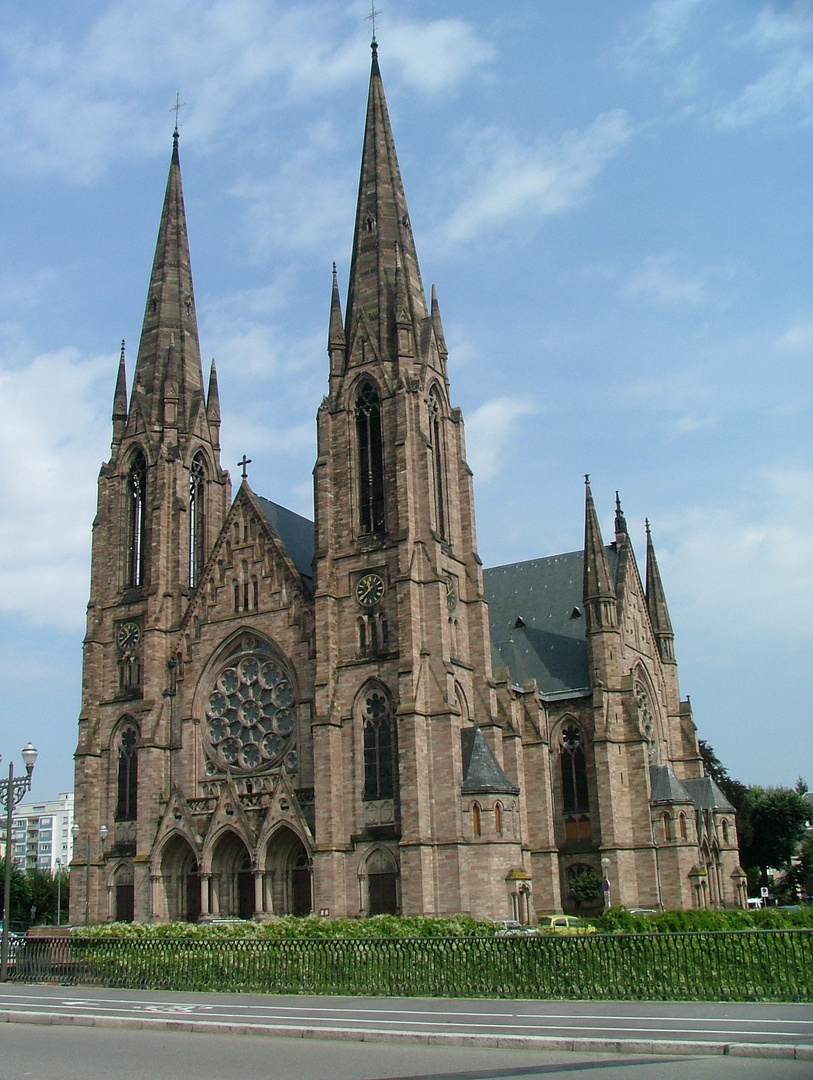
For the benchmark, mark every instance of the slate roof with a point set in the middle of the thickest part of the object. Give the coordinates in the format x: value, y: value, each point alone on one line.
x: 549, y: 645
x: 666, y: 788
x: 481, y: 770
x: 296, y: 534
x: 706, y: 795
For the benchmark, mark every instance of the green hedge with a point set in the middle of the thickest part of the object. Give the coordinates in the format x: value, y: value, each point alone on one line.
x: 741, y: 965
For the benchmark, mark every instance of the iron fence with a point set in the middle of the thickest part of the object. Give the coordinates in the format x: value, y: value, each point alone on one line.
x: 746, y: 965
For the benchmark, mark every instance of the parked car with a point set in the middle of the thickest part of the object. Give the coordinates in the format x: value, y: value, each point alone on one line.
x: 510, y: 927
x: 564, y: 924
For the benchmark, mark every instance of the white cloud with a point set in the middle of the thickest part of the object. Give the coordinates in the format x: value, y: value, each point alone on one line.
x: 663, y: 27
x: 534, y: 182
x: 787, y: 84
x: 798, y: 338
x: 489, y: 431
x: 746, y: 568
x: 52, y: 441
x: 75, y: 102
x: 659, y: 281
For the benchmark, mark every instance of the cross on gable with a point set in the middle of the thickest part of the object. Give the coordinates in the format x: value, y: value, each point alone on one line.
x: 245, y: 461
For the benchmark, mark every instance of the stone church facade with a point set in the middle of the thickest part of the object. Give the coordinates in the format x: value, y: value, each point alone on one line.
x: 350, y: 716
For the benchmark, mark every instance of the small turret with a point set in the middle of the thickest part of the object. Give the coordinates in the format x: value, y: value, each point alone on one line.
x: 599, y: 591
x: 120, y: 400
x: 656, y: 604
x: 213, y: 406
x: 336, y: 340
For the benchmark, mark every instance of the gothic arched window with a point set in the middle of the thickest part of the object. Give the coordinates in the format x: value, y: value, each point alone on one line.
x: 197, y: 519
x: 370, y: 460
x: 476, y: 826
x: 127, y: 781
x: 574, y: 772
x: 436, y: 450
x: 136, y: 520
x: 379, y: 747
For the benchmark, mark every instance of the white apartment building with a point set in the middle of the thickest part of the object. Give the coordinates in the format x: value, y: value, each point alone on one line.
x: 41, y: 834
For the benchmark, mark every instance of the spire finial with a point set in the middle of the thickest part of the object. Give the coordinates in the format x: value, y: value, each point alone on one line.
x: 245, y: 461
x: 176, y: 108
x: 371, y: 19
x: 646, y: 523
x: 587, y: 478
x: 620, y: 520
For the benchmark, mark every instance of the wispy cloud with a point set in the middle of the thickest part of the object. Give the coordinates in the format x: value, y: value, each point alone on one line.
x: 510, y: 181
x: 658, y: 32
x: 491, y: 429
x: 73, y: 101
x: 52, y: 441
x: 786, y: 86
x: 746, y: 568
x: 798, y: 338
x: 658, y: 280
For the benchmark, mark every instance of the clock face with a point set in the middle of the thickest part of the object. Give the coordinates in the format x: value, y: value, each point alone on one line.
x: 370, y: 589
x: 451, y: 592
x: 129, y: 635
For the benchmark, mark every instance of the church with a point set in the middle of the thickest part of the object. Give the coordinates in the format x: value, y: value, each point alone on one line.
x: 351, y: 716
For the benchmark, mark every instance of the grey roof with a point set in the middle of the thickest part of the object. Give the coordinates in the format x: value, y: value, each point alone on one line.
x: 666, y: 788
x: 481, y: 770
x: 545, y: 597
x: 706, y: 795
x: 296, y: 534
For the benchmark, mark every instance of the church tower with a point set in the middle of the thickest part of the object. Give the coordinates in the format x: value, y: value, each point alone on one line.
x: 162, y: 498
x: 414, y: 811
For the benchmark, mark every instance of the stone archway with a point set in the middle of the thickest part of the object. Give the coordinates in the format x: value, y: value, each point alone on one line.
x: 381, y: 871
x: 232, y: 880
x: 288, y: 886
x: 180, y: 880
x: 123, y: 893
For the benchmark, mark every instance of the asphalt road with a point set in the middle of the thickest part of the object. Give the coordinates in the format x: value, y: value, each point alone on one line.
x: 717, y: 1029
x: 29, y: 1052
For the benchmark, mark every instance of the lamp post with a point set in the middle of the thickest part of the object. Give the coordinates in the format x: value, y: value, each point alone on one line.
x: 13, y: 789
x: 58, y: 865
x: 605, y: 866
x: 75, y: 831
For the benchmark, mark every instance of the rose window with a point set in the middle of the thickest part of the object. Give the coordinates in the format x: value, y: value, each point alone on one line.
x: 250, y: 714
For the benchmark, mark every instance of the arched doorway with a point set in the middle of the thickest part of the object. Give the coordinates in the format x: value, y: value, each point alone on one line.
x: 123, y: 893
x: 382, y: 883
x: 232, y: 880
x: 181, y: 880
x: 288, y: 877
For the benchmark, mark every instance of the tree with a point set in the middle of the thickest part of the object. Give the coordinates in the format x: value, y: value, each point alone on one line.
x: 777, y: 818
x: 585, y: 887
x: 20, y: 894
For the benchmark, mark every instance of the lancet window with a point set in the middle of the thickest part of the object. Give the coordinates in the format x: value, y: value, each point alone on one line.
x: 136, y: 520
x: 379, y: 747
x: 575, y: 795
x: 436, y: 450
x: 127, y: 779
x: 197, y: 519
x: 370, y: 460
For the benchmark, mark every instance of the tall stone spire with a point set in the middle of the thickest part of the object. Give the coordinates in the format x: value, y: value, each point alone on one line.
x: 170, y: 324
x: 656, y: 603
x: 383, y: 235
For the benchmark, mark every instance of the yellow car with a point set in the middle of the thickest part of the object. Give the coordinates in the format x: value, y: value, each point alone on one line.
x: 564, y: 924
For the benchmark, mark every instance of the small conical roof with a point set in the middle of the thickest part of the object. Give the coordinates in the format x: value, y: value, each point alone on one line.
x: 655, y: 596
x: 598, y: 582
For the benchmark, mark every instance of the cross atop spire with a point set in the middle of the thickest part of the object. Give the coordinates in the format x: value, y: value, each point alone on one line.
x: 371, y: 19
x: 176, y: 108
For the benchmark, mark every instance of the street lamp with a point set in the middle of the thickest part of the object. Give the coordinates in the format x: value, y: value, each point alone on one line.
x: 605, y: 866
x: 58, y: 865
x: 13, y: 789
x: 103, y: 831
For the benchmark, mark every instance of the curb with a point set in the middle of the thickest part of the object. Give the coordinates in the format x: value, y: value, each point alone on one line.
x: 672, y: 1047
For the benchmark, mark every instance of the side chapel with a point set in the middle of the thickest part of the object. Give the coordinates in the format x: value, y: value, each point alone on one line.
x: 351, y: 716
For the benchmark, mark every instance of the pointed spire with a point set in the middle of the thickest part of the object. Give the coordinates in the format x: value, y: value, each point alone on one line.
x: 620, y: 520
x: 437, y: 325
x: 120, y: 399
x: 335, y: 336
x: 170, y: 309
x: 656, y: 603
x: 213, y: 406
x: 382, y: 222
x: 599, y: 591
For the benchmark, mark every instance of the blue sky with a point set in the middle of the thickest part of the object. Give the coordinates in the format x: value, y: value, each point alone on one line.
x: 613, y: 200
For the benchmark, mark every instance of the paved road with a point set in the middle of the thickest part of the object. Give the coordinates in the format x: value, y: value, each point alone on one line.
x: 29, y: 1052
x: 663, y: 1027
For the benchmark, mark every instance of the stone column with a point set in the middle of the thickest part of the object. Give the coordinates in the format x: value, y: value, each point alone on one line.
x: 204, y: 893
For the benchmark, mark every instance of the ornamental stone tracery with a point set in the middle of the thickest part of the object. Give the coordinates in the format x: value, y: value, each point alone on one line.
x: 250, y: 712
